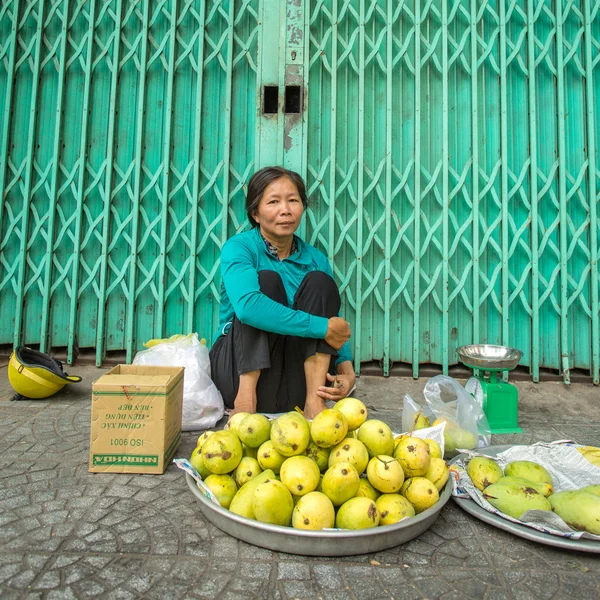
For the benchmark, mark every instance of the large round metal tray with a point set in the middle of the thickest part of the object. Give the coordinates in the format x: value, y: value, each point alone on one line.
x: 318, y: 543
x: 523, y: 531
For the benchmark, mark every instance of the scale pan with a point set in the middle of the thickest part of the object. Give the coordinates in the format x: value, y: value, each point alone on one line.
x: 489, y: 356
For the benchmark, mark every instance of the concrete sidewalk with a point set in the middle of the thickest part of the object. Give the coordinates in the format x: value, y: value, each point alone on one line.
x: 67, y: 533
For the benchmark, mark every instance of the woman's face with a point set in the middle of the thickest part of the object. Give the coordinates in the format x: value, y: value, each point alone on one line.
x: 279, y: 211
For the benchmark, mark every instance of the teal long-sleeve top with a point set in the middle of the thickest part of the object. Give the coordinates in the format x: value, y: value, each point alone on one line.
x: 242, y: 257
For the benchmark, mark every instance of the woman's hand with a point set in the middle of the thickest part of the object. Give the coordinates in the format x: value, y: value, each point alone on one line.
x: 338, y: 332
x: 342, y: 384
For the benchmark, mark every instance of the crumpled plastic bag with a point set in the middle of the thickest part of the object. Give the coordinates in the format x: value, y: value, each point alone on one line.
x: 466, y: 424
x: 202, y: 402
x: 411, y: 411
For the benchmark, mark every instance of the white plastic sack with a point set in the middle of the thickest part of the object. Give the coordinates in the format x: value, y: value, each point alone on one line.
x: 202, y: 401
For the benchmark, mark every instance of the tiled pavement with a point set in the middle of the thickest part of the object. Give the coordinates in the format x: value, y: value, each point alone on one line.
x: 67, y: 533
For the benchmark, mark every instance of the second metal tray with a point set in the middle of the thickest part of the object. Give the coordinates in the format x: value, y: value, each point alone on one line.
x: 529, y: 533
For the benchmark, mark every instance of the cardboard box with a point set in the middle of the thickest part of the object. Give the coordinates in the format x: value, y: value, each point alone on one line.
x: 136, y: 419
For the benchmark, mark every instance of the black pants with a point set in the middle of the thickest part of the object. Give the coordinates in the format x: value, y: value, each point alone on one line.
x: 280, y: 358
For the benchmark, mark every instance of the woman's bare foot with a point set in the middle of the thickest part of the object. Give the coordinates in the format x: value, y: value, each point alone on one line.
x: 246, y: 401
x: 315, y: 371
x: 244, y: 404
x: 313, y: 407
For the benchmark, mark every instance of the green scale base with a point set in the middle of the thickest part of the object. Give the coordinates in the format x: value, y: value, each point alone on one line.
x: 500, y: 404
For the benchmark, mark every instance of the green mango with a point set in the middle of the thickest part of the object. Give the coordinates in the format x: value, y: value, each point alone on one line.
x: 357, y: 513
x: 483, y: 471
x: 241, y: 504
x: 543, y: 488
x: 455, y: 439
x: 527, y: 469
x: 514, y: 499
x: 223, y: 487
x: 197, y: 462
x: 592, y: 489
x: 272, y: 503
x: 578, y: 509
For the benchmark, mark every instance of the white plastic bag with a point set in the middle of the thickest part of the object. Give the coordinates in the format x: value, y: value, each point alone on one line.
x: 411, y: 410
x: 202, y: 401
x: 466, y: 424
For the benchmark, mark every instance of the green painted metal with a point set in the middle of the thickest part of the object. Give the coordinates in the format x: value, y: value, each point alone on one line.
x: 62, y: 14
x: 189, y: 293
x: 294, y: 128
x: 533, y: 162
x: 450, y: 152
x: 112, y: 64
x: 83, y: 41
x: 360, y: 183
x: 593, y: 174
x: 494, y: 227
x: 414, y: 266
x: 388, y: 191
x: 8, y: 22
x: 269, y: 141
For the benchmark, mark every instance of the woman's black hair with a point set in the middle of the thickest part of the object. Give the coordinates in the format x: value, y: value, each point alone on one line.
x: 262, y: 179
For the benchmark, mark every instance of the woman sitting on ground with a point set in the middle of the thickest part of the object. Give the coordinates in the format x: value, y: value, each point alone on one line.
x: 281, y: 342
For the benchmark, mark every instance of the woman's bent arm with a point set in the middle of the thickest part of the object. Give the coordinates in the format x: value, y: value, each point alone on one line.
x: 254, y: 308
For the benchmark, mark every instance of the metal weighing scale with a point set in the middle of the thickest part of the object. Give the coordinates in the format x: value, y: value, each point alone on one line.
x: 500, y: 400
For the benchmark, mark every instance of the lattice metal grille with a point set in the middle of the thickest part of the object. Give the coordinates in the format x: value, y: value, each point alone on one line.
x: 455, y: 175
x: 452, y: 163
x: 124, y: 151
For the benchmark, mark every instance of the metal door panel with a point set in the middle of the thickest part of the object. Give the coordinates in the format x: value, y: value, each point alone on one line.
x: 450, y: 151
x: 474, y: 218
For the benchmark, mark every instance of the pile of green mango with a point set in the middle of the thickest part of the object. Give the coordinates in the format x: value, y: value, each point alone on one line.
x: 525, y: 485
x: 341, y: 470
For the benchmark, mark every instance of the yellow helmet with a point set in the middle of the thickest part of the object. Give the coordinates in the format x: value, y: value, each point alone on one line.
x: 34, y: 374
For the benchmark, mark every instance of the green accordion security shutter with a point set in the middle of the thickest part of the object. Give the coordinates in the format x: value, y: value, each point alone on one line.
x: 450, y: 150
x: 130, y: 130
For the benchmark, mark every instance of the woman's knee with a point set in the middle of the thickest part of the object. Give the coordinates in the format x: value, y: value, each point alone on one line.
x: 318, y: 294
x: 271, y: 285
x: 320, y: 281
